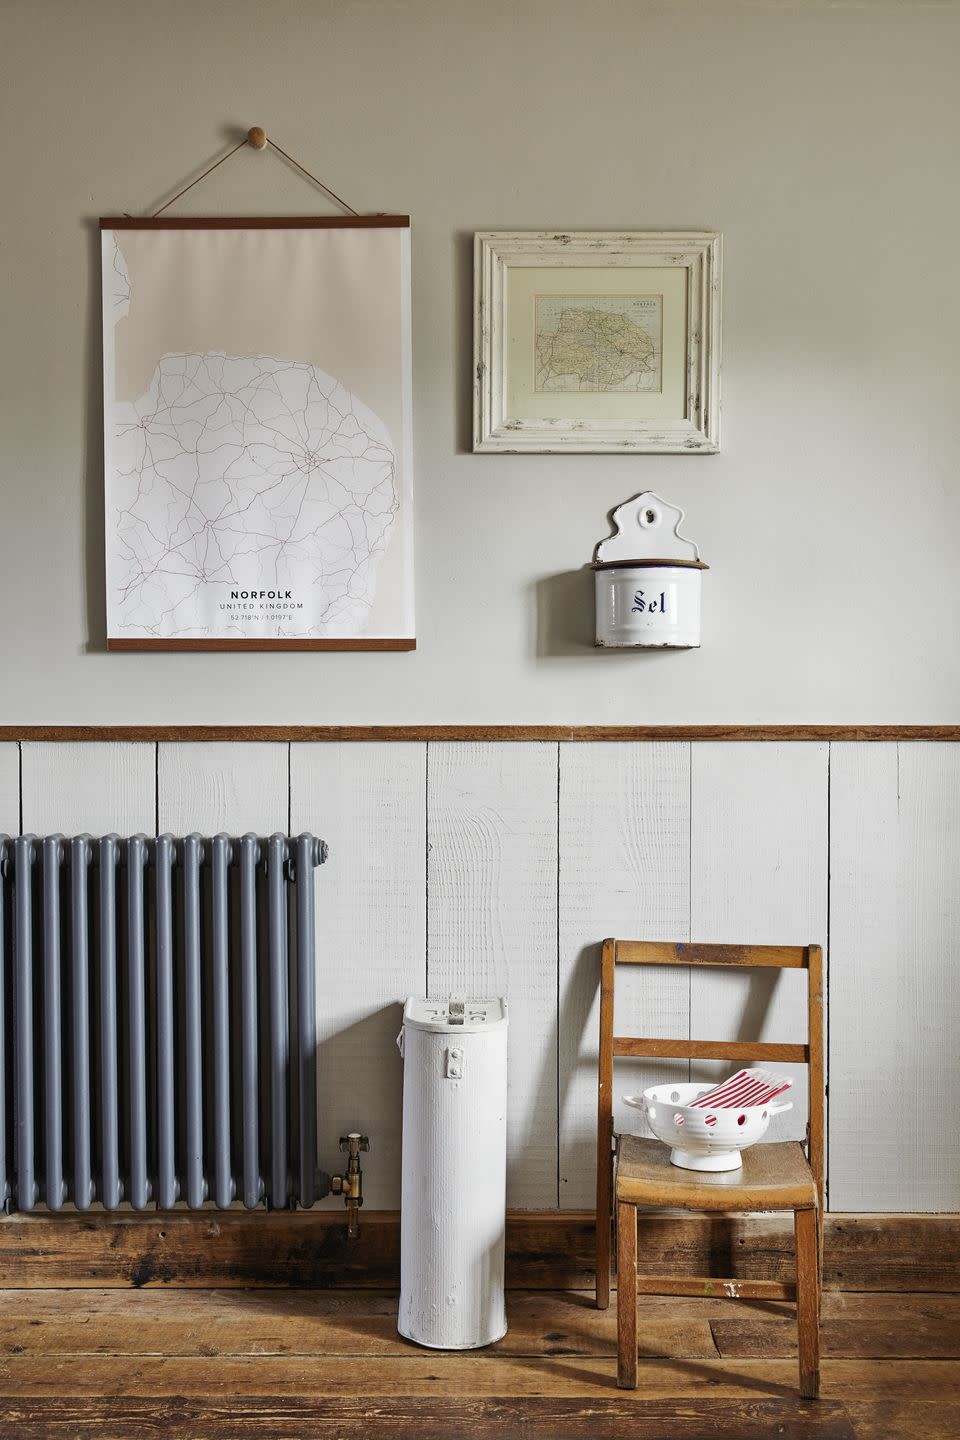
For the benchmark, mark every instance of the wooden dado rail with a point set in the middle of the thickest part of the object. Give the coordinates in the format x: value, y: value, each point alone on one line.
x: 545, y: 1250
x: 301, y: 733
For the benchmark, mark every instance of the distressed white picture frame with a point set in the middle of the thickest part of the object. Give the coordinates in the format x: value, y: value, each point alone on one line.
x: 696, y: 431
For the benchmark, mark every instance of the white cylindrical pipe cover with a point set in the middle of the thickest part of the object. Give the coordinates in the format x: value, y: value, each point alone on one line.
x: 453, y: 1196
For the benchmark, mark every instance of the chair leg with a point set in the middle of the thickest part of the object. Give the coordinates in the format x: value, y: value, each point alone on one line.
x: 808, y: 1302
x: 626, y: 1296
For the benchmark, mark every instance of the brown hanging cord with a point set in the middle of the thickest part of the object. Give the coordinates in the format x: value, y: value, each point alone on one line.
x: 257, y: 138
x: 333, y: 195
x: 209, y: 171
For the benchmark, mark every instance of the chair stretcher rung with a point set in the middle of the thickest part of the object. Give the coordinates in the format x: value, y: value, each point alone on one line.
x: 709, y: 1288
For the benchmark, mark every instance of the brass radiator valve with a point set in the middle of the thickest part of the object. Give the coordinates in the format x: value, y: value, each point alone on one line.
x: 350, y: 1184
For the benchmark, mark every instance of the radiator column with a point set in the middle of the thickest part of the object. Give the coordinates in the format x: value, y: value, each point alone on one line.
x: 308, y: 855
x: 81, y: 854
x: 223, y: 1186
x: 56, y: 1190
x: 168, y: 1191
x: 137, y: 1022
x: 23, y: 1116
x: 279, y: 1018
x: 253, y: 1186
x: 109, y: 1058
x: 6, y: 1188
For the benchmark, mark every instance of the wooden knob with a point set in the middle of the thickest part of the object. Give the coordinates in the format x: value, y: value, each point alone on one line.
x: 257, y: 137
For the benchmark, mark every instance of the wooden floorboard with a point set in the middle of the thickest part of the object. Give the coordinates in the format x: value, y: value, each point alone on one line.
x: 547, y: 1418
x: 290, y: 1322
x: 925, y: 1327
x: 363, y: 1322
x: 841, y: 1339
x: 916, y: 1419
x: 478, y: 1374
x: 283, y: 1364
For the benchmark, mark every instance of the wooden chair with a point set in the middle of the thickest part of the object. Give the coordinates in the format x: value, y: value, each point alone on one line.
x: 775, y: 1176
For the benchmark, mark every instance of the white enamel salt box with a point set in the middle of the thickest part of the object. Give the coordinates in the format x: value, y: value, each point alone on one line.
x: 454, y: 1172
x: 647, y: 579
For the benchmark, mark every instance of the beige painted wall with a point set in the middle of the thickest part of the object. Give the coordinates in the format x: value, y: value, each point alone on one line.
x: 820, y: 138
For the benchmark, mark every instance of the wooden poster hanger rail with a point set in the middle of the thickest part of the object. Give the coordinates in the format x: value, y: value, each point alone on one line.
x: 256, y: 138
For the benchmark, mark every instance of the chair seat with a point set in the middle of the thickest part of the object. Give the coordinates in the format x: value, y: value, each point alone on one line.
x: 772, y: 1177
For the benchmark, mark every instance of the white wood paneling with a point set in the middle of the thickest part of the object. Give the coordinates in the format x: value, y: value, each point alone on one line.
x: 894, y: 992
x: 711, y: 841
x: 9, y: 788
x: 78, y: 788
x: 368, y: 801
x: 624, y: 871
x: 492, y: 925
x: 758, y: 874
x: 231, y: 786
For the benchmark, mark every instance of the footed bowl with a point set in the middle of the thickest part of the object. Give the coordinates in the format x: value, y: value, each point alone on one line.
x: 703, y: 1139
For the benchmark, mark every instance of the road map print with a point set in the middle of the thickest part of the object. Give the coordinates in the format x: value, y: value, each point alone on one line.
x: 256, y: 475
x: 598, y: 343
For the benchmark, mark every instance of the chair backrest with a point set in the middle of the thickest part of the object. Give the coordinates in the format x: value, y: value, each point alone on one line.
x: 739, y: 957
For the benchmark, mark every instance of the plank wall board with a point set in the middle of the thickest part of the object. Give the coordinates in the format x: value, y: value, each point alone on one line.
x: 492, y: 926
x: 9, y: 788
x: 227, y: 786
x: 707, y: 838
x: 758, y: 874
x: 545, y: 1250
x: 369, y: 803
x: 75, y: 788
x: 894, y: 1143
x: 624, y: 872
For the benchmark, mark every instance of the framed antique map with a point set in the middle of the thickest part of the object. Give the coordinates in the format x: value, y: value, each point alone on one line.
x: 597, y: 341
x: 257, y: 433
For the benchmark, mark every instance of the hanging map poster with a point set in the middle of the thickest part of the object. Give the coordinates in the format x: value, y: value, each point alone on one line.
x: 257, y: 434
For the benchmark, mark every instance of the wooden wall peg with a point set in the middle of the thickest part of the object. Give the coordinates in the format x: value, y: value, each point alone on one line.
x: 257, y: 137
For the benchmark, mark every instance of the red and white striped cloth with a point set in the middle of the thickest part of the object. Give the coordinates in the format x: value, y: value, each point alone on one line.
x: 747, y: 1087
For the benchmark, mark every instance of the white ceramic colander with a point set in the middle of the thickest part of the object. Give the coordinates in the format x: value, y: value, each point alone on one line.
x: 704, y: 1137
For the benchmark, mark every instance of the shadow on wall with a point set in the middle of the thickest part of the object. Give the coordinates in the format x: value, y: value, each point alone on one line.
x: 578, y: 1148
x: 525, y: 1129
x: 94, y: 546
x: 463, y: 338
x: 565, y: 618
x: 365, y: 1052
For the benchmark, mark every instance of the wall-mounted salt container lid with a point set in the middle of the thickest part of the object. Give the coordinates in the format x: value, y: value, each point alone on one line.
x: 647, y: 533
x: 455, y: 1015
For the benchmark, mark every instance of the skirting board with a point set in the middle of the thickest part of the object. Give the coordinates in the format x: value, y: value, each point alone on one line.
x: 545, y: 1250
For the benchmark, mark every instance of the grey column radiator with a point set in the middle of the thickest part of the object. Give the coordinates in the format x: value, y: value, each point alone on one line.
x: 158, y: 1021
